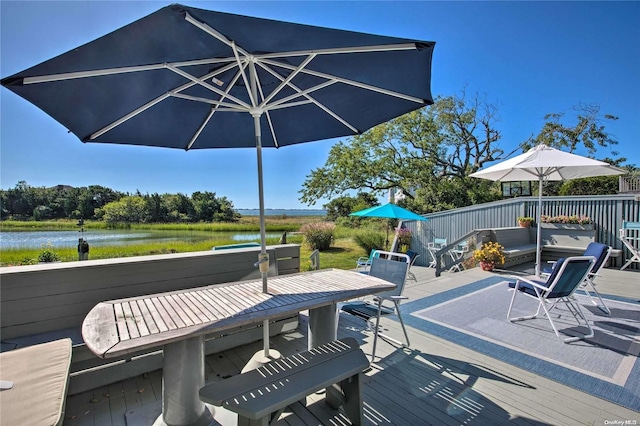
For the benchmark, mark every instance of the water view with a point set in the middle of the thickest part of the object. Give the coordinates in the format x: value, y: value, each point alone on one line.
x: 64, y: 239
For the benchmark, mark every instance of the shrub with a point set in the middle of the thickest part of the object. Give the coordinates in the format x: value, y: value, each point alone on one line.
x: 47, y: 255
x: 318, y: 235
x: 370, y: 239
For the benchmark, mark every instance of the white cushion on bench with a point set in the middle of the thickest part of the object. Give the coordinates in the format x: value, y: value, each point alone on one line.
x: 40, y: 375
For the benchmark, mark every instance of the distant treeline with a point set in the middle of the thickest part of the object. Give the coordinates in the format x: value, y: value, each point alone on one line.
x: 95, y: 202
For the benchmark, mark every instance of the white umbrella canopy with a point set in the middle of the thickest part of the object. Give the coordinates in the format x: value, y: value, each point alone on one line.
x: 543, y: 163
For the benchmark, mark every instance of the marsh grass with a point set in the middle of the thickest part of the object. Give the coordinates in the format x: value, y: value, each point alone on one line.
x: 342, y: 254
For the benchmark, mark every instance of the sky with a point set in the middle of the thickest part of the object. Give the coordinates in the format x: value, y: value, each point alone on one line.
x: 527, y: 58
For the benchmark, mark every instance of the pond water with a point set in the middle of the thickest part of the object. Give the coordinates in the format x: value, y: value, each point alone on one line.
x: 61, y: 239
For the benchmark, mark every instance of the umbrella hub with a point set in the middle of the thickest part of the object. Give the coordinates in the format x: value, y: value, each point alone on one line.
x: 256, y: 112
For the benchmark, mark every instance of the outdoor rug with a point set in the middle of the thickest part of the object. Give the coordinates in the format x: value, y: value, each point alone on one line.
x: 475, y: 316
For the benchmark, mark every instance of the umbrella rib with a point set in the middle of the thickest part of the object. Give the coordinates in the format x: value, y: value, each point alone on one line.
x: 268, y: 115
x: 286, y: 81
x: 279, y: 102
x: 315, y: 101
x: 153, y: 102
x: 348, y: 81
x: 212, y: 32
x: 120, y: 70
x: 213, y: 111
x: 340, y: 50
x: 206, y: 85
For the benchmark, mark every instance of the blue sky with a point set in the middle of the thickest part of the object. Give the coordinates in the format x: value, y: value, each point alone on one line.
x: 528, y: 58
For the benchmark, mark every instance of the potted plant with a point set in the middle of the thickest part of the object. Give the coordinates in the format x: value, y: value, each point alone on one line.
x: 490, y: 255
x: 404, y: 238
x: 573, y: 222
x: 525, y: 221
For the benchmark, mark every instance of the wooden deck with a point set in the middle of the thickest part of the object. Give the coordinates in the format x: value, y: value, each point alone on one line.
x: 435, y: 382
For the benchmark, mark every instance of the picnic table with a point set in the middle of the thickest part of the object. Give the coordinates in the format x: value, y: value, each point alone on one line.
x: 179, y: 320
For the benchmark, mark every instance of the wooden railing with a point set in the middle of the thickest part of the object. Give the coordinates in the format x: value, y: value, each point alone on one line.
x: 628, y: 184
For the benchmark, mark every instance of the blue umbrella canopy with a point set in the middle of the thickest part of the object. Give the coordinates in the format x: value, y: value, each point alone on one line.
x: 191, y: 78
x: 389, y: 211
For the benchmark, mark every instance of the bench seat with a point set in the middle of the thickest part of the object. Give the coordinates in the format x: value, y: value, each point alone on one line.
x: 257, y: 394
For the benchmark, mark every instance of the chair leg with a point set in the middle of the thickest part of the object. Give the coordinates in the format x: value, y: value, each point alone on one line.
x: 375, y: 330
x: 603, y: 306
x: 577, y: 307
x: 513, y: 298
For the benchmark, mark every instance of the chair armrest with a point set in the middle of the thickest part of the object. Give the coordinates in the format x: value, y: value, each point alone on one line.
x: 528, y: 281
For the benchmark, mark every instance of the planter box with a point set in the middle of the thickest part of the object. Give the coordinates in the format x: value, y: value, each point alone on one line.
x: 568, y: 226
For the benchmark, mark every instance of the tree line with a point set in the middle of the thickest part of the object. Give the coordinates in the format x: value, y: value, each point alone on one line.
x: 95, y: 202
x: 427, y: 156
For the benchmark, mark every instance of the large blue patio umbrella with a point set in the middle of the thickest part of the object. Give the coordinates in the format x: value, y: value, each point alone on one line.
x: 388, y: 211
x: 190, y: 78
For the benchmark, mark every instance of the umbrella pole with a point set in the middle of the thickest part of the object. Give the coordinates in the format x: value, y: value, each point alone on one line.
x: 539, y: 231
x: 263, y: 259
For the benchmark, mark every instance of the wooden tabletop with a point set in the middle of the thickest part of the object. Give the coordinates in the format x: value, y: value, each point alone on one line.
x: 118, y: 327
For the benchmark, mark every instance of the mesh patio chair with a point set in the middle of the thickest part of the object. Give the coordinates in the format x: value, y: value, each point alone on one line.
x: 565, y: 278
x: 392, y: 267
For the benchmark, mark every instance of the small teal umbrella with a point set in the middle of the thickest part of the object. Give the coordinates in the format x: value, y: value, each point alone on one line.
x: 388, y: 211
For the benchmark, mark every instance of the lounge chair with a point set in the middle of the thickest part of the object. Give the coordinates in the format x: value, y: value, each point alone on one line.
x: 565, y: 278
x: 392, y: 267
x: 433, y: 247
x: 630, y: 237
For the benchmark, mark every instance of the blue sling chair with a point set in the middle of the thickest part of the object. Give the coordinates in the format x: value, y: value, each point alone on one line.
x: 565, y: 278
x: 601, y: 252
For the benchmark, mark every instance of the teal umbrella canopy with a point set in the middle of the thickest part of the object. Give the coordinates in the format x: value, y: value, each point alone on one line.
x: 389, y: 211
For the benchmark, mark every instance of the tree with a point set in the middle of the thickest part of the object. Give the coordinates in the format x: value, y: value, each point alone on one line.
x: 587, y: 131
x: 345, y: 205
x: 126, y: 210
x: 429, y: 151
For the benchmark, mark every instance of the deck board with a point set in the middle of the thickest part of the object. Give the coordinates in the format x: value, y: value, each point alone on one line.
x: 435, y: 382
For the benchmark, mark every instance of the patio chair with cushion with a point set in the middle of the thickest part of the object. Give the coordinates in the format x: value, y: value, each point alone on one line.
x: 392, y: 267
x: 565, y: 278
x: 630, y: 237
x: 601, y: 252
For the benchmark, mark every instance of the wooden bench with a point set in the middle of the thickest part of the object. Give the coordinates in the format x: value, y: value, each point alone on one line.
x: 259, y: 396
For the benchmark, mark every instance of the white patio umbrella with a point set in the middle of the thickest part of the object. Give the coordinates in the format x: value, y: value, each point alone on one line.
x: 543, y: 163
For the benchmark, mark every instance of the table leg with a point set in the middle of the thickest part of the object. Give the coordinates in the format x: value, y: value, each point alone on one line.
x: 182, y: 378
x: 322, y: 325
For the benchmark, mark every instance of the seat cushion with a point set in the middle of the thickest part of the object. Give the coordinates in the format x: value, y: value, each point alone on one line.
x: 40, y: 375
